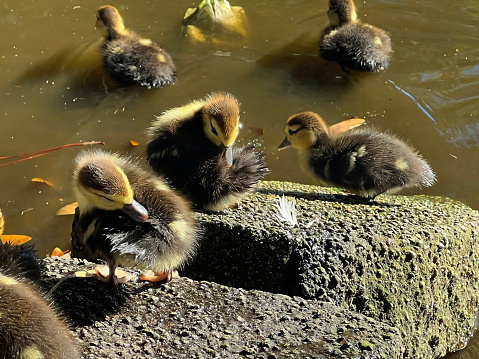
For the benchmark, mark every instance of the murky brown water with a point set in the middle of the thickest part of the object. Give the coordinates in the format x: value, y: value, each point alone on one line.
x: 428, y: 95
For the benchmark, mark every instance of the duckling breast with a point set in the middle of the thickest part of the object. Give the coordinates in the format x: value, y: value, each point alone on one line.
x: 357, y: 46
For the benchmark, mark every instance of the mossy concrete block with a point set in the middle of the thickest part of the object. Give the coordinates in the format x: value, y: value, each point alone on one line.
x: 411, y: 262
x: 191, y: 319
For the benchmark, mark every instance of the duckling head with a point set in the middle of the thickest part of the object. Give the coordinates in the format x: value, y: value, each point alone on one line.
x: 221, y: 121
x: 110, y: 18
x: 341, y: 12
x: 100, y: 183
x: 303, y: 131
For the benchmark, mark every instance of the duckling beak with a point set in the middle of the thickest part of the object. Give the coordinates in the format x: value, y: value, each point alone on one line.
x: 285, y: 144
x: 136, y: 211
x: 229, y: 155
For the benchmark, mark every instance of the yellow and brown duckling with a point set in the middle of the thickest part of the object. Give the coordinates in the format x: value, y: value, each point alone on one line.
x: 192, y: 147
x: 361, y: 160
x: 130, y: 217
x: 29, y: 327
x: 352, y: 44
x: 131, y: 59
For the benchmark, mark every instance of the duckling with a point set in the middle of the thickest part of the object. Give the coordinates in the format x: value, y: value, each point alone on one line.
x: 130, y: 217
x: 131, y: 59
x: 362, y: 160
x: 30, y: 327
x: 353, y: 44
x: 192, y: 147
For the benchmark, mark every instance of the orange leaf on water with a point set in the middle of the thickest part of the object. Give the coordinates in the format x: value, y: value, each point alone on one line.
x: 41, y: 180
x: 57, y: 252
x: 14, y: 239
x: 134, y: 143
x: 68, y: 209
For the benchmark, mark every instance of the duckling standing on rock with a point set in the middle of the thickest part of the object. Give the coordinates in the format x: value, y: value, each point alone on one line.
x: 192, y: 147
x: 131, y: 59
x: 353, y: 44
x: 361, y: 160
x: 130, y: 217
x: 29, y: 327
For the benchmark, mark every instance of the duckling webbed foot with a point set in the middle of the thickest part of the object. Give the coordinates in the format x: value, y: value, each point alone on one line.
x: 159, y: 276
x: 110, y: 274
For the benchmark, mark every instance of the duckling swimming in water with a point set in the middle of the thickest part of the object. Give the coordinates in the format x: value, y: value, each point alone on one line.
x: 191, y: 146
x: 353, y: 44
x: 29, y: 328
x: 361, y: 160
x: 130, y: 217
x: 131, y: 59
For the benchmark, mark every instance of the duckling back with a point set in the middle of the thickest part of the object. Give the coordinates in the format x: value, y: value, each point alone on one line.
x: 357, y: 46
x: 29, y: 327
x: 368, y: 163
x: 132, y: 60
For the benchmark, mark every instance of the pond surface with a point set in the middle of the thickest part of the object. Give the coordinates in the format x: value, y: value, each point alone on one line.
x: 50, y: 94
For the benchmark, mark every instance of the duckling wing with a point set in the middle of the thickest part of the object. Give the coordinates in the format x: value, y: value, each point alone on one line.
x: 138, y: 61
x: 144, y: 245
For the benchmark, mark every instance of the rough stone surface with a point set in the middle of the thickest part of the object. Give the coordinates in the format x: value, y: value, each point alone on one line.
x: 191, y: 319
x: 411, y: 262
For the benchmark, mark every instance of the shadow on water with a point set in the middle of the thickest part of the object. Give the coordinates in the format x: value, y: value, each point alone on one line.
x: 299, y: 58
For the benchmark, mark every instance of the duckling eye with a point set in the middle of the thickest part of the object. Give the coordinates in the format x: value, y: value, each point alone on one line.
x: 108, y: 199
x: 291, y: 132
x: 214, y: 130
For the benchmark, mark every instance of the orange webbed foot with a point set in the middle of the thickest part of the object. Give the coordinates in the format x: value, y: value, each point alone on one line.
x: 159, y: 276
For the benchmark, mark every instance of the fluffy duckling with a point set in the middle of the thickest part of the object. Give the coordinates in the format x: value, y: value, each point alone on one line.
x: 192, y: 147
x: 361, y: 160
x: 29, y: 328
x: 130, y: 217
x: 353, y: 44
x: 131, y: 59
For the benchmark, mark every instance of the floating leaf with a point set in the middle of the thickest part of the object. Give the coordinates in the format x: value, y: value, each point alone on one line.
x: 41, y: 180
x: 2, y: 223
x: 346, y: 125
x: 68, y: 209
x: 14, y: 239
x: 134, y: 143
x: 57, y: 252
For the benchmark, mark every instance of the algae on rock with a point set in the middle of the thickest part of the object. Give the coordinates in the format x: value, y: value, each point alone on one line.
x: 411, y: 262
